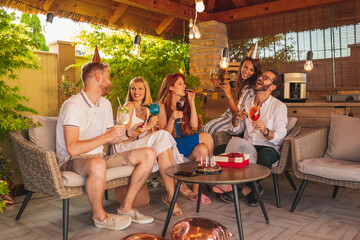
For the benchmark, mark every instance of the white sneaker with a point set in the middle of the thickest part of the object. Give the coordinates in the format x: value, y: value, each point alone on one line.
x: 114, y: 222
x: 136, y: 216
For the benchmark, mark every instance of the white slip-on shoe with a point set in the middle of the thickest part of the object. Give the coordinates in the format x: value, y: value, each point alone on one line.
x: 114, y: 222
x: 136, y: 216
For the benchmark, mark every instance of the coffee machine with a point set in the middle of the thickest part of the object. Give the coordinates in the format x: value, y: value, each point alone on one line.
x: 294, y: 87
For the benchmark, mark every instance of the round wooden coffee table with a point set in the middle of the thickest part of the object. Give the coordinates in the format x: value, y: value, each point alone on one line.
x: 250, y: 173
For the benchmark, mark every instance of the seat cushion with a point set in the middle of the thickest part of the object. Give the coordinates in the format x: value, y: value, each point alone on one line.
x: 45, y: 135
x: 72, y: 179
x: 344, y: 138
x: 331, y: 168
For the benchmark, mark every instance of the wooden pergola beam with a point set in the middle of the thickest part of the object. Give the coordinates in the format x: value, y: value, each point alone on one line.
x: 166, y: 7
x: 48, y: 4
x: 239, y: 3
x: 119, y: 11
x: 210, y: 5
x: 268, y: 8
x: 164, y: 24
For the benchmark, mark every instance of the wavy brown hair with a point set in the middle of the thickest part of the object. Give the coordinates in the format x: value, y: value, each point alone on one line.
x: 249, y: 82
x: 165, y: 96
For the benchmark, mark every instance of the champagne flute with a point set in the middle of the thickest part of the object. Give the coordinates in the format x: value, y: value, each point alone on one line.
x: 122, y: 117
x: 180, y: 106
x: 254, y: 113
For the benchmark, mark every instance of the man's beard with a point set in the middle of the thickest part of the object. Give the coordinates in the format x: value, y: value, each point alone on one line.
x: 262, y: 87
x: 104, y: 91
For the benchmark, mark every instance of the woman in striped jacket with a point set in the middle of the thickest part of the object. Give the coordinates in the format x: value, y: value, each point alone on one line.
x: 248, y: 71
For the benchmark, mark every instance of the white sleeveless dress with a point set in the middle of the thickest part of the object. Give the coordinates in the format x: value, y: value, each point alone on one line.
x: 160, y: 141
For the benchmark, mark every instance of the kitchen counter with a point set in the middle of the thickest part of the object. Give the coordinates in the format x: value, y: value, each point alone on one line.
x: 318, y: 113
x: 319, y: 103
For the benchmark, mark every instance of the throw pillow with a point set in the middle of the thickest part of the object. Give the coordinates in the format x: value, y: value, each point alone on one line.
x: 344, y: 138
x: 45, y: 135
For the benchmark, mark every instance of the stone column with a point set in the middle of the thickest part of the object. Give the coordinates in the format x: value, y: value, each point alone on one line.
x: 205, y: 53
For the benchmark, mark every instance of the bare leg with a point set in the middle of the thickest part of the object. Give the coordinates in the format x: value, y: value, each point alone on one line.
x: 144, y: 160
x: 206, y: 138
x: 200, y: 151
x: 95, y: 168
x: 165, y: 160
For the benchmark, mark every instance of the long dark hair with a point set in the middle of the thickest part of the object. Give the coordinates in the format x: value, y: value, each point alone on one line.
x: 165, y: 96
x: 249, y: 82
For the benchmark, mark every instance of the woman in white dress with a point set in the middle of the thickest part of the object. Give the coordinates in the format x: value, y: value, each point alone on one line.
x: 161, y: 141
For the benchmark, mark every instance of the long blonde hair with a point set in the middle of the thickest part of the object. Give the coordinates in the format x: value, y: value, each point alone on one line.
x: 147, y: 98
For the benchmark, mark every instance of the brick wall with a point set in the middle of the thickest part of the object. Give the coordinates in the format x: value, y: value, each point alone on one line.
x: 205, y: 53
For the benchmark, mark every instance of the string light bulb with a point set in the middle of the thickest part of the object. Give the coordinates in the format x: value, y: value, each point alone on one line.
x: 49, y: 19
x: 196, y: 32
x: 191, y: 33
x: 135, y: 51
x: 225, y: 58
x: 309, y: 64
x: 191, y: 23
x: 200, y: 7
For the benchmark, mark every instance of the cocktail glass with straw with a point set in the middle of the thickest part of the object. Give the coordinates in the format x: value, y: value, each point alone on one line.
x: 122, y: 115
x: 255, y: 113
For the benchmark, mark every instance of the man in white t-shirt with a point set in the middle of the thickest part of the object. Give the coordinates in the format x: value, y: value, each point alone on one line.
x: 264, y: 135
x: 85, y: 124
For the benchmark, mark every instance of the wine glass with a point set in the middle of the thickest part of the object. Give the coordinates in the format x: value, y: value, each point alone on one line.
x: 122, y: 117
x: 180, y: 106
x: 213, y: 76
x: 254, y: 113
x: 154, y: 110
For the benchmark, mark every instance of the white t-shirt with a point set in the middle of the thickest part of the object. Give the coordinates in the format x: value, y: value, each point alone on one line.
x: 92, y: 120
x: 273, y: 113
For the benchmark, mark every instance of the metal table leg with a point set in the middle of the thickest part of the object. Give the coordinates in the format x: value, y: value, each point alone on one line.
x: 199, y: 199
x: 172, y: 205
x: 237, y: 211
x: 255, y: 186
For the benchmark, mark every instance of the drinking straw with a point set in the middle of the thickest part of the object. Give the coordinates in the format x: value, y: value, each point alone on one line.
x: 119, y: 101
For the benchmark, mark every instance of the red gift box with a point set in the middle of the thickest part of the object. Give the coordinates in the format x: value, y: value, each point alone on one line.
x: 234, y: 160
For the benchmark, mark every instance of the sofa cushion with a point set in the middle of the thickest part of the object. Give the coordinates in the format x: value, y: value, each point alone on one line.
x: 331, y: 168
x: 291, y: 124
x: 45, y: 135
x: 72, y: 179
x: 344, y: 138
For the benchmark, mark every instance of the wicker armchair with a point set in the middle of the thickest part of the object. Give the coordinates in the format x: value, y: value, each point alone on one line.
x: 312, y: 145
x: 41, y: 174
x: 283, y: 164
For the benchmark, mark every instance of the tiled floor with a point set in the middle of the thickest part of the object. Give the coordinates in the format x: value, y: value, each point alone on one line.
x: 316, y: 217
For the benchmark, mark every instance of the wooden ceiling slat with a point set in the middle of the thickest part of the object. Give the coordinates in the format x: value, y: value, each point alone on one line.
x: 239, y: 3
x: 83, y: 8
x: 119, y: 11
x: 164, y: 24
x: 165, y: 7
x: 267, y: 8
x: 210, y: 5
x: 48, y: 5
